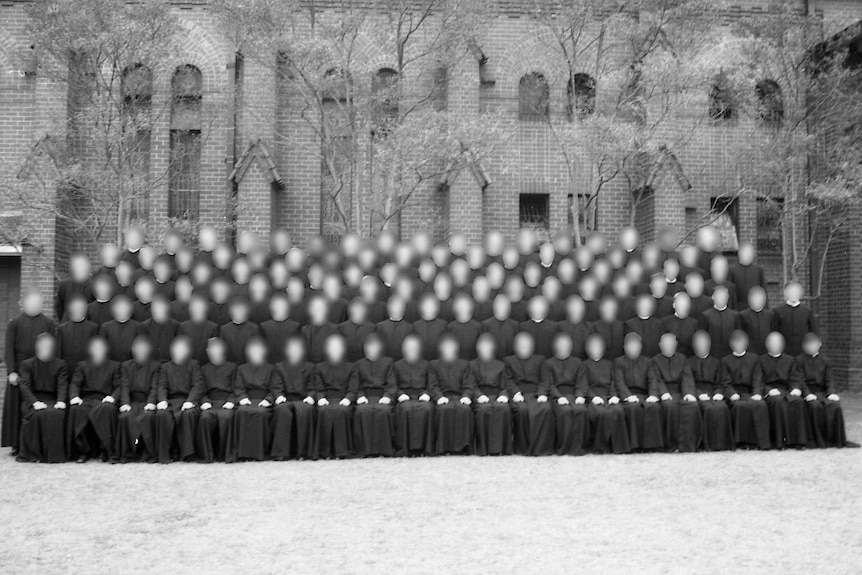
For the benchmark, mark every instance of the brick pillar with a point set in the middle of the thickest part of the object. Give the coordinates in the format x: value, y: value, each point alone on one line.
x: 256, y: 121
x: 465, y: 193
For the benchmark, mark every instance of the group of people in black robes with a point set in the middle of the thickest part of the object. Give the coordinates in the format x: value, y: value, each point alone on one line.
x: 379, y: 347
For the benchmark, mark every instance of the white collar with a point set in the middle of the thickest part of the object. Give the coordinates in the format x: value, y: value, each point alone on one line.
x: 794, y: 303
x: 775, y: 356
x: 719, y: 308
x: 739, y: 354
x: 644, y: 318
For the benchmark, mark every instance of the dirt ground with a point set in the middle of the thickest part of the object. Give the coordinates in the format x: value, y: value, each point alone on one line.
x: 744, y: 512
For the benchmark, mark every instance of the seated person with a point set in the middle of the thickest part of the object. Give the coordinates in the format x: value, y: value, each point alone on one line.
x: 450, y: 385
x: 493, y: 419
x: 44, y: 383
x: 94, y: 389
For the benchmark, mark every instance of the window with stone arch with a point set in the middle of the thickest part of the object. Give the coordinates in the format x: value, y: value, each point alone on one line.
x: 581, y: 91
x: 184, y: 171
x: 137, y: 90
x: 722, y: 104
x: 384, y: 98
x: 770, y: 102
x: 534, y: 98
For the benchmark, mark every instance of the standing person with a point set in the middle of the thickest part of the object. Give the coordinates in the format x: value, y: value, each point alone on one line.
x: 336, y: 383
x: 794, y: 319
x: 161, y: 328
x: 414, y: 422
x: 255, y: 386
x: 180, y: 305
x: 74, y: 333
x: 451, y: 387
x: 748, y: 411
x: 44, y: 384
x: 373, y: 425
x: 757, y: 320
x: 539, y: 326
x: 198, y: 328
x: 94, y: 392
x: 681, y: 324
x: 429, y: 327
x: 745, y: 274
x: 596, y: 383
x: 778, y: 374
x: 139, y: 381
x: 217, y: 403
x: 176, y: 416
x: 356, y: 328
x: 534, y: 430
x: 720, y: 272
x: 79, y: 283
x: 709, y: 388
x: 465, y: 327
x: 720, y: 321
x: 694, y: 287
x: 672, y: 382
x: 293, y: 429
x: 501, y: 326
x: 99, y: 309
x: 280, y: 326
x: 395, y: 328
x: 319, y: 328
x: 559, y: 375
x: 824, y: 407
x: 145, y: 289
x: 21, y: 337
x: 122, y: 330
x: 642, y: 410
x: 646, y: 325
x: 493, y: 421
x: 576, y: 324
x: 239, y: 330
x: 610, y: 327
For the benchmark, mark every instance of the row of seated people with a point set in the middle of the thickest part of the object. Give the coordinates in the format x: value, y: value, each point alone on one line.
x: 146, y: 410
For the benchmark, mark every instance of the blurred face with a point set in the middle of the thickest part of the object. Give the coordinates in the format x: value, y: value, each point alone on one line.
x: 258, y: 288
x: 238, y: 312
x: 256, y: 353
x: 719, y: 269
x: 524, y: 345
x: 551, y: 289
x: 707, y: 239
x: 494, y: 244
x: 651, y: 257
x: 701, y: 344
x: 668, y: 239
x: 427, y: 271
x: 567, y: 271
x: 279, y: 242
x: 358, y: 312
x: 597, y: 243
x: 775, y: 343
x: 294, y: 351
x: 793, y: 292
x: 207, y: 238
x: 538, y: 308
x: 350, y: 244
x: 318, y: 311
x: 526, y: 241
x: 222, y: 256
x: 622, y: 288
x: 812, y: 346
x: 183, y: 288
x: 463, y: 309
x: 458, y: 244
x: 739, y: 343
x: 198, y: 309
x: 202, y: 274
x: 532, y: 275
x: 671, y: 269
x: 496, y: 275
x: 609, y: 310
x: 278, y: 274
x: 422, y: 243
x: 220, y: 291
x: 429, y: 308
x: 103, y: 289
x: 486, y: 348
x: 162, y: 271
x: 144, y: 290
x: 77, y: 310
x: 161, y: 311
x: 589, y: 288
x: 510, y: 257
x: 373, y: 348
x: 411, y: 349
x: 514, y: 288
x: 396, y: 307
x: 658, y: 286
x: 595, y: 348
x: 682, y: 305
x: 563, y: 244
x: 501, y: 308
x: 97, y: 351
x: 634, y: 272
x: 616, y: 257
x: 575, y: 309
x: 295, y: 259
x: 32, y: 304
x: 475, y: 257
x: 147, y: 257
x: 694, y: 285
x: 645, y: 306
x: 216, y: 352
x: 142, y: 351
x: 441, y: 255
x: 109, y: 255
x: 746, y: 253
x: 246, y: 242
x: 241, y: 271
x: 668, y: 344
x: 547, y: 253
x: 332, y: 287
x: 460, y: 272
x: 689, y: 256
x: 134, y: 239
x: 583, y: 258
x: 173, y: 242
x: 633, y: 347
x: 629, y: 239
x: 279, y: 309
x: 720, y: 298
x: 385, y: 242
x: 448, y: 349
x: 45, y: 348
x: 79, y: 268
x: 563, y: 347
x: 121, y: 310
x: 757, y: 298
x: 404, y: 255
x: 481, y: 289
x: 295, y: 290
x: 336, y: 349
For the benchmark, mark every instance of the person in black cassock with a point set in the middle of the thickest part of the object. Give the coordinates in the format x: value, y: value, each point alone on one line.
x: 335, y: 383
x: 709, y: 387
x: 256, y: 386
x: 414, y: 422
x: 643, y: 418
x: 748, y: 411
x: 279, y: 327
x: 681, y: 324
x: 824, y: 407
x: 671, y: 381
x: 576, y: 325
x: 293, y: 429
x: 145, y: 289
x: 450, y: 385
x: 610, y: 327
x: 373, y: 423
x: 139, y: 381
x: 493, y: 416
x: 94, y: 391
x: 534, y: 426
x: 395, y: 328
x: 21, y: 337
x: 161, y: 328
x: 356, y: 328
x: 44, y: 383
x: 501, y: 327
x: 74, y: 333
x: 176, y: 413
x: 539, y: 326
x: 198, y: 328
x: 757, y: 320
x: 745, y: 274
x: 319, y: 328
x: 217, y: 403
x: 595, y: 382
x: 778, y: 374
x: 646, y: 325
x: 122, y: 330
x: 559, y: 375
x: 238, y: 331
x: 720, y: 321
x: 794, y: 319
x: 99, y: 309
x: 429, y: 327
x: 79, y: 283
x: 465, y: 327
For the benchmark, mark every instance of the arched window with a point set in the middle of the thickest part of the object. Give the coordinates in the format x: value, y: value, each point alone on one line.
x: 184, y: 172
x: 137, y: 90
x: 336, y: 167
x: 384, y: 89
x: 534, y: 97
x: 632, y: 102
x: 770, y: 102
x: 581, y: 91
x: 722, y: 104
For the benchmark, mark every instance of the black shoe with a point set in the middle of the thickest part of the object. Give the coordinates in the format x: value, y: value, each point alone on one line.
x: 14, y: 452
x: 83, y: 459
x: 852, y: 445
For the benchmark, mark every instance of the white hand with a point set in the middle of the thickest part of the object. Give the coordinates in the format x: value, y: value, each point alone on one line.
x: 187, y: 405
x: 229, y: 405
x: 703, y: 397
x: 322, y: 402
x: 718, y: 397
x: 245, y: 401
x: 466, y: 401
x: 689, y: 397
x: 264, y: 403
x: 108, y: 399
x: 308, y: 400
x: 40, y: 405
x: 774, y: 392
x: 162, y: 405
x: 614, y: 400
x: 598, y: 400
x: 362, y: 400
x: 424, y: 397
x: 206, y: 406
x: 580, y: 400
x: 632, y: 399
x: 280, y: 399
x: 651, y: 399
x: 666, y: 397
x: 563, y: 401
x: 756, y: 397
x: 13, y: 378
x: 384, y: 401
x: 796, y: 392
x: 833, y: 397
x: 443, y: 401
x: 519, y: 397
x: 734, y: 397
x: 60, y: 405
x: 482, y: 399
x: 810, y: 397
x: 542, y: 399
x: 150, y: 407
x: 502, y: 399
x: 125, y: 408
x: 403, y: 397
x: 344, y: 402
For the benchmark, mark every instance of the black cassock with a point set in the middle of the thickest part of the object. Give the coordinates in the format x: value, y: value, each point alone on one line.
x: 72, y: 340
x: 745, y: 278
x: 699, y: 305
x: 732, y: 302
x: 826, y: 416
x: 793, y: 322
x: 218, y: 313
x: 543, y: 333
x: 142, y: 311
x: 453, y: 420
x: 135, y: 433
x: 251, y: 432
x: 99, y: 312
x: 315, y: 340
x: 276, y: 333
x: 534, y: 426
x: 608, y: 433
x: 643, y: 419
x: 92, y: 425
x: 787, y: 413
x: 235, y: 336
x: 717, y: 424
x: 293, y: 429
x: 614, y: 334
x: 493, y: 421
x: 757, y: 324
x: 355, y: 334
x: 414, y: 424
x: 393, y: 334
x: 334, y: 432
x: 180, y: 311
x: 663, y: 306
x: 120, y: 337
x: 750, y: 417
x: 682, y: 419
x: 719, y: 324
x: 215, y: 423
x: 43, y: 433
x: 429, y: 333
x: 161, y: 335
x: 559, y: 380
x: 467, y: 334
x: 21, y: 337
x: 579, y: 332
x: 199, y: 333
x: 504, y: 332
x: 650, y: 329
x: 373, y: 423
x: 175, y: 429
x: 683, y: 329
x: 68, y: 288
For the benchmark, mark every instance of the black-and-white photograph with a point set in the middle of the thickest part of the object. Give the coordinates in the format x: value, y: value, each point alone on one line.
x: 430, y: 286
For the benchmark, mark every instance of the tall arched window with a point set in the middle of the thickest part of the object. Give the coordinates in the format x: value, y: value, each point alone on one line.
x: 534, y: 97
x: 184, y: 173
x: 581, y: 91
x: 137, y: 89
x: 722, y: 104
x: 336, y: 168
x: 384, y: 88
x: 770, y: 102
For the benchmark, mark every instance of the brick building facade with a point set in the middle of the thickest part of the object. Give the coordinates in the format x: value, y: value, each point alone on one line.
x: 276, y: 181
